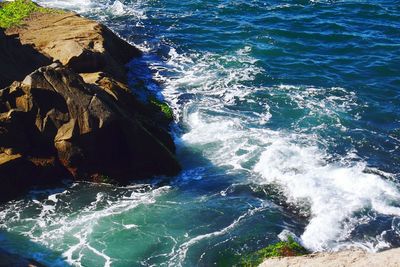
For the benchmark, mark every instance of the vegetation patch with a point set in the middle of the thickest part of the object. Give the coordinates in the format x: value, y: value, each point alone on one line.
x: 102, y: 178
x: 13, y: 13
x: 281, y: 249
x: 163, y: 107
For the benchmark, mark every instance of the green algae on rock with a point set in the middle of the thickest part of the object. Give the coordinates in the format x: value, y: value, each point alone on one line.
x: 163, y: 107
x: 281, y: 249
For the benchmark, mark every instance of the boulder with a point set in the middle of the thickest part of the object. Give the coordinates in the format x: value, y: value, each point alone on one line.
x: 69, y: 112
x: 79, y: 43
x: 87, y: 131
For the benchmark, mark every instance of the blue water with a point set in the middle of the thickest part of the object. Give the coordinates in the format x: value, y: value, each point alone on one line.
x: 287, y: 122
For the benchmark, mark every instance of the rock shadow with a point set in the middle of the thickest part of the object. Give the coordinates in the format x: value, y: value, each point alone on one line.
x: 17, y: 60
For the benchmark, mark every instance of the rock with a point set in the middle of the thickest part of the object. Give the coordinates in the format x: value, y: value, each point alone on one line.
x: 89, y: 131
x: 151, y: 117
x: 81, y: 44
x: 75, y: 118
x: 17, y: 60
x: 348, y: 258
x: 26, y: 159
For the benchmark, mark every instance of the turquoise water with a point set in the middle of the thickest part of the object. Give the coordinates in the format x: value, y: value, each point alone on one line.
x: 287, y: 122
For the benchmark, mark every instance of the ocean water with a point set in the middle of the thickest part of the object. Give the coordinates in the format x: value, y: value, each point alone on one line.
x: 287, y: 122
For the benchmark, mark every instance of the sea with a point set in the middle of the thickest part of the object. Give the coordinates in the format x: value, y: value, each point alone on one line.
x: 287, y: 123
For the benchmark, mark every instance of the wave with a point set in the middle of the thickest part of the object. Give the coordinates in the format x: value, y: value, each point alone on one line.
x: 101, y: 9
x: 334, y: 189
x: 334, y: 192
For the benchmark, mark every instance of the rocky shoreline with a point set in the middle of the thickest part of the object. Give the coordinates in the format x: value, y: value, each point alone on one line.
x: 348, y: 258
x: 66, y: 111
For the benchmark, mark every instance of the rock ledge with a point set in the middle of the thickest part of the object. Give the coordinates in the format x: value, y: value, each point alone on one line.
x: 348, y: 258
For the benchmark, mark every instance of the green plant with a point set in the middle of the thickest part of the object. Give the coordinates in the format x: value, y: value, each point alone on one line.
x: 281, y: 249
x: 163, y: 107
x: 13, y: 13
x: 105, y: 179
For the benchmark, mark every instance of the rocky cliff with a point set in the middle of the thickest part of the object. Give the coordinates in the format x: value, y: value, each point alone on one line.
x: 66, y: 111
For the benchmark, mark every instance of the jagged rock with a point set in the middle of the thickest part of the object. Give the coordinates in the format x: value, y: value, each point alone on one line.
x: 76, y: 118
x: 26, y: 159
x: 154, y: 120
x: 53, y: 113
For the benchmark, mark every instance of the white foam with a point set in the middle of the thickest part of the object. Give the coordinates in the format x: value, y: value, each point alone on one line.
x: 211, y: 76
x: 52, y: 227
x: 218, y: 81
x: 334, y: 192
x: 335, y: 189
x: 118, y: 8
x: 179, y: 255
x: 107, y: 259
x: 99, y: 8
x: 130, y: 226
x: 80, y: 6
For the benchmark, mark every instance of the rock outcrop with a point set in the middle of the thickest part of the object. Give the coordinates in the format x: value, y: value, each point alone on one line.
x: 81, y: 44
x: 75, y: 118
x: 348, y: 258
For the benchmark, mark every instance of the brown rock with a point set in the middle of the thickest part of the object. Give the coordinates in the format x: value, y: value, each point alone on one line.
x: 56, y: 124
x: 85, y: 128
x: 153, y: 120
x: 348, y: 258
x: 81, y: 44
x: 7, y: 157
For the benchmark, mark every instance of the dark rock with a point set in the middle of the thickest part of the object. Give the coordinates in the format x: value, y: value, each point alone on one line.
x: 17, y: 60
x: 75, y: 118
x: 53, y: 113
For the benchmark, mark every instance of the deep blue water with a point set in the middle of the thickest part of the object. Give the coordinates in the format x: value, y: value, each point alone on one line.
x: 287, y: 121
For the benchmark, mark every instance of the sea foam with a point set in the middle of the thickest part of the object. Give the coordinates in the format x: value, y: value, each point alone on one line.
x: 333, y: 191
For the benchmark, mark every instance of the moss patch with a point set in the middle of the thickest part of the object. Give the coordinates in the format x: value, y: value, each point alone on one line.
x: 163, y: 107
x: 13, y: 13
x: 280, y: 249
x: 102, y: 178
